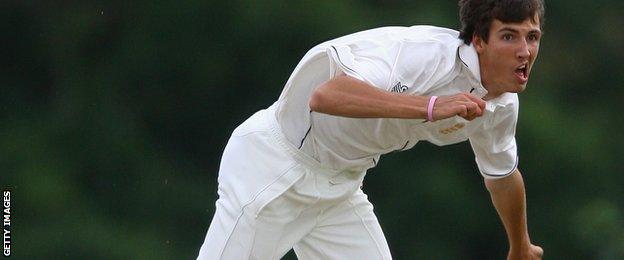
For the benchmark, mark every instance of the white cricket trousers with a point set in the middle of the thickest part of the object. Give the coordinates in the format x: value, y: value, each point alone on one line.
x: 272, y: 198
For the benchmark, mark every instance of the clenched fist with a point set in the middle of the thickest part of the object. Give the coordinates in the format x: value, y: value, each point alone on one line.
x: 465, y: 105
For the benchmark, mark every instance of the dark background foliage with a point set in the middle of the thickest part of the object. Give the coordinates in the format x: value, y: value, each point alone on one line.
x: 113, y: 116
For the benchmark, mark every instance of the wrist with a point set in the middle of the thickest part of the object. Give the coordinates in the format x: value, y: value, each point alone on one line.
x: 418, y: 106
x: 430, y: 106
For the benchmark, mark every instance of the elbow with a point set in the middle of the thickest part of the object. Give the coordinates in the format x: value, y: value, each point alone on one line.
x: 318, y: 100
x: 315, y: 101
x: 329, y: 97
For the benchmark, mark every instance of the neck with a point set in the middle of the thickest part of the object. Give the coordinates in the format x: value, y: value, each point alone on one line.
x: 491, y: 87
x: 492, y: 91
x: 490, y: 96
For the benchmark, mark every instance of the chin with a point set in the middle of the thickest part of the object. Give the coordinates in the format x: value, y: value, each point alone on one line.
x: 517, y: 88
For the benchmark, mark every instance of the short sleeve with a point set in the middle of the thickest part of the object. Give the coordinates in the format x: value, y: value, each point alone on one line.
x: 368, y: 61
x: 391, y: 63
x: 494, y: 145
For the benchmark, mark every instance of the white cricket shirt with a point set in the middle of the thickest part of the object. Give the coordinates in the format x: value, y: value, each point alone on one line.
x: 417, y: 60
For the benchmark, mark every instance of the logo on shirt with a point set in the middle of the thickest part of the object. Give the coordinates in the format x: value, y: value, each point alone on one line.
x: 452, y: 128
x: 398, y: 88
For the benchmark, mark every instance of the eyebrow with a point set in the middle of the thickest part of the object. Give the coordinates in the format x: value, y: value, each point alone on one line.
x: 516, y: 31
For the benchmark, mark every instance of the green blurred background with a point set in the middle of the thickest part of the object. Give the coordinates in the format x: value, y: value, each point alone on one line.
x: 113, y: 116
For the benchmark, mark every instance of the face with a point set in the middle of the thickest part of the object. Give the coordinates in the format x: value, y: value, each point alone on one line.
x: 507, y: 57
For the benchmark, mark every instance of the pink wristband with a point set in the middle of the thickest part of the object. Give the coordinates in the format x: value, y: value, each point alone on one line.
x: 432, y: 101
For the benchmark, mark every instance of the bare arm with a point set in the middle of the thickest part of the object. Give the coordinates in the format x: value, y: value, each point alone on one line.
x: 350, y: 97
x: 508, y: 197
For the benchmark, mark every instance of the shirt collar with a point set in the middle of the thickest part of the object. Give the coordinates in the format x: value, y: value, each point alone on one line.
x: 469, y: 57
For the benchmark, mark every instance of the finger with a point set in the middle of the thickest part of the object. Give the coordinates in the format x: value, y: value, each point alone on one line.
x: 473, y: 110
x: 470, y: 117
x: 477, y: 100
x: 471, y: 114
x: 462, y: 111
x: 478, y: 110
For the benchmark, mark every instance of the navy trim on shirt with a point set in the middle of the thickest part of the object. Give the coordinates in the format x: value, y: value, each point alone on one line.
x: 506, y: 174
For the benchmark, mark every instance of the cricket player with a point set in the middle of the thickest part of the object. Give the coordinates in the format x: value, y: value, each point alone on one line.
x: 291, y: 174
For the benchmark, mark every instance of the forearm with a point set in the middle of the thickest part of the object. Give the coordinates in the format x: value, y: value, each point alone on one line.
x: 508, y: 197
x: 349, y: 97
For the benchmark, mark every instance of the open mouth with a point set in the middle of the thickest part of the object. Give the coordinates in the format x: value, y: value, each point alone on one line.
x: 522, y: 74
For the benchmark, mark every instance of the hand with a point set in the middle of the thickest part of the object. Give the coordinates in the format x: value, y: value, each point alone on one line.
x: 532, y: 253
x: 465, y: 105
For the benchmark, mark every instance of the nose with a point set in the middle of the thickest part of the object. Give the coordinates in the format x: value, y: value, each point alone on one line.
x: 523, y: 52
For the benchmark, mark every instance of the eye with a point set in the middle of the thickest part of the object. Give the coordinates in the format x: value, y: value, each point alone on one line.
x: 533, y: 37
x: 507, y: 37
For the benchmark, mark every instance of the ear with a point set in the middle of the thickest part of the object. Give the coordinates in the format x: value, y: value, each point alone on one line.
x: 478, y: 43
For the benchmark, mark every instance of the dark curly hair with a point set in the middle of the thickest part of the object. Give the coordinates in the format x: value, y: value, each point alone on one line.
x: 476, y: 15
